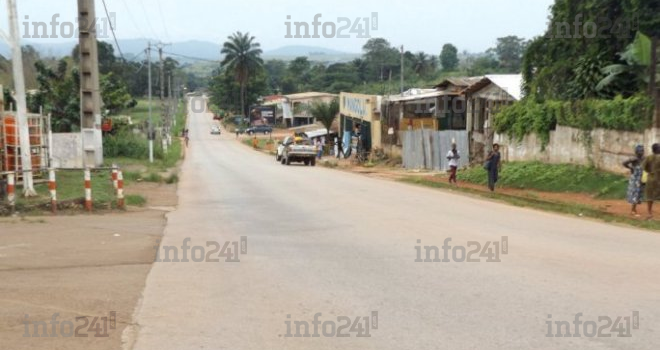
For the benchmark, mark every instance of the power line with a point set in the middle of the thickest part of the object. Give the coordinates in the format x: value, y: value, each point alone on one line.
x: 112, y: 29
x: 144, y: 12
x: 130, y: 15
x: 162, y: 20
x: 191, y: 57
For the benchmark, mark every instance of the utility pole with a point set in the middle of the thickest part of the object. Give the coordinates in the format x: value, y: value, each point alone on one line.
x: 21, y: 103
x: 90, y: 95
x: 401, y: 70
x: 151, y: 126
x: 163, y: 112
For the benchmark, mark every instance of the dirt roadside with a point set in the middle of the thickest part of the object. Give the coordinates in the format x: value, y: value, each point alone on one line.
x: 71, y: 269
x: 618, y: 208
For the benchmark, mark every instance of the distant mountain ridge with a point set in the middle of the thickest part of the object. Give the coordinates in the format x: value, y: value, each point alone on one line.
x: 203, y: 50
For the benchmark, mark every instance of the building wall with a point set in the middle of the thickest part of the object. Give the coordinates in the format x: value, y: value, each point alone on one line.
x: 67, y: 150
x: 608, y: 148
x: 363, y: 107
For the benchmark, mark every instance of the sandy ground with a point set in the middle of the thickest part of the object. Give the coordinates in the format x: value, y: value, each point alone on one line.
x: 77, y: 268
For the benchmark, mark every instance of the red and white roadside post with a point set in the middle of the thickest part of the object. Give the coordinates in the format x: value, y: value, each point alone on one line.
x: 120, y: 190
x: 11, y: 191
x: 114, y: 177
x: 52, y: 188
x: 88, y: 190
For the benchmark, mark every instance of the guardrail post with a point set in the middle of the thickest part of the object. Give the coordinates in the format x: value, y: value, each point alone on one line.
x: 52, y: 188
x: 88, y: 190
x: 120, y: 190
x: 114, y: 176
x: 11, y: 191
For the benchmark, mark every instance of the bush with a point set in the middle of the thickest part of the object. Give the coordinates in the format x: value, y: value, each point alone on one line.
x: 529, y: 116
x: 125, y: 144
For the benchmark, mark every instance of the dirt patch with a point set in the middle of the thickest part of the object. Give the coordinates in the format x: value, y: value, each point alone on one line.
x: 76, y: 268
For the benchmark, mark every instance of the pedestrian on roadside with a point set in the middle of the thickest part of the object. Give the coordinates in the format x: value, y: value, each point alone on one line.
x: 652, y: 167
x: 493, y: 165
x: 319, y: 149
x: 338, y: 147
x: 636, y: 182
x: 453, y: 156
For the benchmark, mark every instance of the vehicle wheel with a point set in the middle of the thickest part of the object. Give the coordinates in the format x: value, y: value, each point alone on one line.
x: 314, y: 162
x: 277, y: 157
x: 306, y: 162
x: 250, y: 133
x: 288, y: 161
x: 282, y: 160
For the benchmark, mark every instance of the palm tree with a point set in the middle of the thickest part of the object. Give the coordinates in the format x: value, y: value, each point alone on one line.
x: 325, y: 113
x: 421, y: 63
x: 242, y: 55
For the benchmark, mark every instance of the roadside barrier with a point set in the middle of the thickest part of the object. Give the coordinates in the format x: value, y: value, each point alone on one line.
x: 88, y: 190
x: 52, y: 188
x: 120, y: 190
x: 117, y: 178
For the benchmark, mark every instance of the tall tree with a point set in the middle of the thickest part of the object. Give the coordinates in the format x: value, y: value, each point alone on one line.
x: 243, y: 58
x: 509, y: 52
x: 449, y: 57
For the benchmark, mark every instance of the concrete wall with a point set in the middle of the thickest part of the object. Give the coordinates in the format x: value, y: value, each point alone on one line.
x: 608, y: 148
x: 67, y: 150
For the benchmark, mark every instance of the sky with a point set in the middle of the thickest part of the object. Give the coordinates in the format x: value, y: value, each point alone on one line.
x: 422, y: 25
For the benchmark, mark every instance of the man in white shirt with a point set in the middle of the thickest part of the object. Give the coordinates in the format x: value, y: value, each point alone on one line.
x: 453, y: 156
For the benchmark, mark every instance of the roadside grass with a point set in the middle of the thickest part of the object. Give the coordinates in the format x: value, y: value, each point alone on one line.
x: 140, y: 113
x: 263, y: 144
x: 553, y: 178
x: 71, y: 193
x: 163, y: 162
x: 535, y: 203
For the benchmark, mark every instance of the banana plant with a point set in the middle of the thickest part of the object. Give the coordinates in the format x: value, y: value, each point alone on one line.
x: 637, y: 58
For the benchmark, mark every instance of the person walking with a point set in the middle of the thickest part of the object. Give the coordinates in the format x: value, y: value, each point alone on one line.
x: 319, y: 149
x: 651, y: 165
x: 493, y: 164
x: 453, y: 156
x: 635, y: 183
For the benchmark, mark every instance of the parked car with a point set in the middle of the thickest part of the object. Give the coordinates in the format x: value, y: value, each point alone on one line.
x: 215, y: 130
x: 258, y: 129
x: 300, y: 150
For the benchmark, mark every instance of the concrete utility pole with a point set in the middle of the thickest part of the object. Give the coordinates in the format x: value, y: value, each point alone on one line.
x: 90, y: 93
x: 164, y: 113
x: 150, y: 132
x: 21, y: 103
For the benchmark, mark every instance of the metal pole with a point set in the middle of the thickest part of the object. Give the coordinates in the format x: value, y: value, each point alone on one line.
x: 150, y: 132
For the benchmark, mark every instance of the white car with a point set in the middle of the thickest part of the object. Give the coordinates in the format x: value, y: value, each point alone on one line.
x: 215, y: 130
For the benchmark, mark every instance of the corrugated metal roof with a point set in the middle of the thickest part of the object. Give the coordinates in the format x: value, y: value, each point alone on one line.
x: 311, y: 94
x: 511, y: 83
x: 462, y: 82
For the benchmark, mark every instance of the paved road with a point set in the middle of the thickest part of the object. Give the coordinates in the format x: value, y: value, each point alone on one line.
x: 340, y: 244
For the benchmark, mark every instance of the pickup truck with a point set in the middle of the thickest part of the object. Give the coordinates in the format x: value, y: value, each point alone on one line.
x: 299, y: 150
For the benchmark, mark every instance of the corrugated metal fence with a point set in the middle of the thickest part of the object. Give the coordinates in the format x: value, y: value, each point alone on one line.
x: 427, y: 149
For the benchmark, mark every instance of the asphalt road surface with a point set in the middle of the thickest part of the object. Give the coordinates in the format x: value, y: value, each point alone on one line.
x: 344, y: 245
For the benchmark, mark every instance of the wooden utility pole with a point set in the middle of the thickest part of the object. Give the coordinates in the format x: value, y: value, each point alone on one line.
x: 90, y: 93
x: 21, y: 102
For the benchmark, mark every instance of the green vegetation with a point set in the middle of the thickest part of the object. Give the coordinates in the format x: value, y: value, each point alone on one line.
x: 528, y: 116
x: 529, y: 202
x: 71, y: 192
x: 553, y: 178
